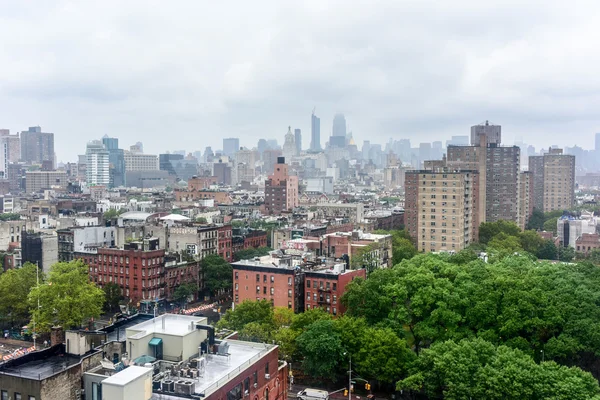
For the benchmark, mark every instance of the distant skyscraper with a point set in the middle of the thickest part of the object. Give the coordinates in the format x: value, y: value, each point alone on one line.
x: 315, y: 133
x: 553, y: 180
x: 97, y: 164
x: 339, y: 125
x: 289, y: 146
x: 231, y: 146
x: 281, y: 189
x: 14, y: 145
x: 262, y: 146
x: 37, y: 146
x: 597, y: 143
x: 492, y: 133
x: 116, y: 160
x: 298, y: 140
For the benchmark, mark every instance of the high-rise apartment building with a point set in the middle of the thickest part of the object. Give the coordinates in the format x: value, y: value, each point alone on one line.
x: 493, y: 133
x: 97, y: 164
x: 13, y: 143
x: 499, y: 172
x: 298, y: 140
x: 441, y: 208
x: 37, y: 146
x: 553, y: 180
x: 315, y: 133
x: 116, y: 159
x: 281, y: 189
x: 525, y: 198
x: 231, y: 146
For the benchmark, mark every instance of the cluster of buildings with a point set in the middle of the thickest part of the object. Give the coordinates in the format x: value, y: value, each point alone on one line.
x: 170, y: 357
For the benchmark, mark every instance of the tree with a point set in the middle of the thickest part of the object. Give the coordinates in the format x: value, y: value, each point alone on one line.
x: 547, y: 251
x: 68, y: 298
x: 322, y: 349
x: 475, y: 368
x: 505, y: 243
x: 531, y: 242
x: 15, y: 285
x: 10, y: 217
x: 248, y: 254
x: 402, y: 249
x: 303, y: 320
x: 383, y: 355
x: 550, y: 225
x: 256, y: 332
x: 566, y: 254
x: 260, y: 312
x: 112, y: 213
x: 367, y: 257
x: 218, y: 273
x: 202, y: 220
x: 112, y: 295
x: 487, y: 230
x: 536, y: 220
x: 182, y: 293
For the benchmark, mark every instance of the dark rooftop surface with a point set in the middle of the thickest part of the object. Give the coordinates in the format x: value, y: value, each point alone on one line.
x: 40, y: 364
x: 116, y: 332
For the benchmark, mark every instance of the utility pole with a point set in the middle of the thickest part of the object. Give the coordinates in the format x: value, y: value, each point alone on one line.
x: 350, y: 379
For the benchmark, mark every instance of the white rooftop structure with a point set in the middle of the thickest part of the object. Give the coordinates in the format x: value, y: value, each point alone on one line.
x: 174, y: 217
x: 127, y: 375
x: 168, y: 324
x: 135, y: 215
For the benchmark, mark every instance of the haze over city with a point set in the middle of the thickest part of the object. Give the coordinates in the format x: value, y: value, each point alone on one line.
x: 187, y: 74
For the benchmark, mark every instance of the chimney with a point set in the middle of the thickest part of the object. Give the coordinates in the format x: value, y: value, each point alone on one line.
x: 57, y: 335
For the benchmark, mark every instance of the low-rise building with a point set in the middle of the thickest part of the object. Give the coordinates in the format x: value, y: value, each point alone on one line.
x: 178, y: 273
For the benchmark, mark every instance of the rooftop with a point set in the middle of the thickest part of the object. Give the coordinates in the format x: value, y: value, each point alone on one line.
x: 116, y: 331
x: 129, y: 374
x: 168, y: 324
x: 40, y: 364
x: 221, y: 369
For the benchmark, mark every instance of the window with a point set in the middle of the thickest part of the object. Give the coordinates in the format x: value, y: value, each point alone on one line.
x: 17, y: 396
x: 272, y: 278
x: 4, y: 395
x: 334, y: 286
x: 264, y: 290
x: 96, y: 391
x: 289, y: 292
x: 258, y: 290
x: 30, y: 398
x: 289, y: 281
x: 308, y: 296
x: 308, y: 283
x: 237, y: 275
x: 264, y: 278
x: 257, y: 277
x: 272, y: 291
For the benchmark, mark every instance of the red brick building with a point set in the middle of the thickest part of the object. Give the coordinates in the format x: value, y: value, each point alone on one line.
x: 289, y: 286
x: 179, y: 273
x: 224, y: 243
x: 324, y: 289
x: 139, y: 273
x: 255, y: 238
x: 587, y: 242
x: 201, y: 182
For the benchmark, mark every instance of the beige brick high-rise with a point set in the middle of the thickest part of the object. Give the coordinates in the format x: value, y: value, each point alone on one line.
x: 559, y: 180
x: 442, y: 208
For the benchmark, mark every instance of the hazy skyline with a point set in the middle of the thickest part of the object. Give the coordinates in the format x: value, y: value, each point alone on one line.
x: 422, y: 70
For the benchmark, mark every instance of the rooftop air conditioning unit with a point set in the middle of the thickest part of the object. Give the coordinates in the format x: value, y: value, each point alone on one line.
x: 267, y: 376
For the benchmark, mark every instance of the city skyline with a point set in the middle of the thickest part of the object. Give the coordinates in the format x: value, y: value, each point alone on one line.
x: 477, y: 63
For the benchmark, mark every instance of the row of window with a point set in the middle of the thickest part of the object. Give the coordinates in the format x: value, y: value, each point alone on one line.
x: 151, y: 271
x: 16, y: 396
x: 322, y: 285
x: 326, y: 308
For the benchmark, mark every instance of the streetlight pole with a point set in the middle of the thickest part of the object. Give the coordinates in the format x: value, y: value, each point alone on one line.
x: 350, y: 379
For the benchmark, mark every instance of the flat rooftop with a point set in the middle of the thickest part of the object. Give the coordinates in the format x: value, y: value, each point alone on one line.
x: 168, y: 324
x: 117, y: 331
x: 39, y: 365
x: 129, y: 374
x: 218, y: 368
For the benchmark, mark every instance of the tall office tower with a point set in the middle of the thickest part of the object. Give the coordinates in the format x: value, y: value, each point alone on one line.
x: 366, y: 149
x: 556, y: 172
x: 37, y: 146
x: 97, y: 164
x: 436, y: 150
x: 315, y: 133
x: 165, y: 162
x: 14, y: 145
x: 492, y: 133
x: 4, y: 156
x: 289, y: 146
x: 262, y: 146
x: 403, y: 149
x: 339, y: 125
x: 597, y: 142
x: 117, y: 161
x: 424, y: 152
x: 140, y: 162
x: 458, y: 141
x: 269, y: 158
x: 499, y: 176
x: 281, y: 189
x: 208, y: 154
x: 441, y: 208
x: 231, y: 146
x: 525, y: 199
x: 137, y: 148
x: 298, y: 140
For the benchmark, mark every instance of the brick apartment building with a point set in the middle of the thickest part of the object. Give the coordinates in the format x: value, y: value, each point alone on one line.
x: 225, y: 234
x: 178, y: 273
x: 281, y: 189
x: 138, y: 269
x: 285, y: 285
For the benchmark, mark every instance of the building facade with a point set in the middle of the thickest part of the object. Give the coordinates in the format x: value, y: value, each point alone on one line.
x: 97, y: 164
x: 37, y: 146
x: 38, y: 181
x: 281, y: 189
x: 441, y: 209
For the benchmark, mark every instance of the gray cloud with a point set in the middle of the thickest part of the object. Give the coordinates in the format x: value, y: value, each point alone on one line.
x: 185, y: 74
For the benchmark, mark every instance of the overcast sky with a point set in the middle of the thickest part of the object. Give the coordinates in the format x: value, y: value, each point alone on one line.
x: 185, y: 74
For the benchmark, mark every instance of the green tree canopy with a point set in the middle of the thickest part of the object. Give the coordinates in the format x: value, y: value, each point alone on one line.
x: 183, y: 292
x: 112, y: 213
x: 475, y: 368
x: 218, y: 273
x: 487, y: 230
x: 536, y: 220
x: 260, y: 312
x: 321, y: 348
x: 112, y: 296
x: 550, y: 225
x: 15, y: 285
x: 531, y: 242
x: 10, y: 217
x: 67, y: 298
x: 248, y: 254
